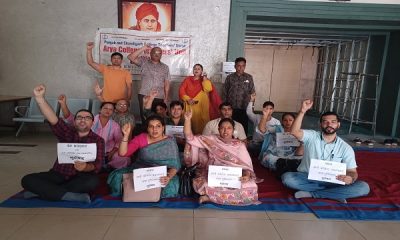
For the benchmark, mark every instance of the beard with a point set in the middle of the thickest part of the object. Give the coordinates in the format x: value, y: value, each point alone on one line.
x: 329, y: 130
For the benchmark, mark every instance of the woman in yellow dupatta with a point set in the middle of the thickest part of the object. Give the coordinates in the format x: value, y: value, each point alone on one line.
x: 194, y: 92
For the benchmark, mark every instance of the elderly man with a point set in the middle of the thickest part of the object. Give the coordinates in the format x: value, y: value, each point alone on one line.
x: 225, y: 109
x: 326, y: 146
x: 68, y: 182
x: 155, y: 74
x: 238, y: 88
x: 147, y: 18
x: 117, y: 81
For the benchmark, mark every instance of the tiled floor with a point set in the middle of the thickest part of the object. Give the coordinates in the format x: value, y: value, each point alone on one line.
x: 166, y: 224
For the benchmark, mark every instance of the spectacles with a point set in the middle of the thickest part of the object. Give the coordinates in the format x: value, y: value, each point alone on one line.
x: 122, y: 104
x: 86, y: 118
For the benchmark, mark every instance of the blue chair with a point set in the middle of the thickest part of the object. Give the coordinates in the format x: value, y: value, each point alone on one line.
x: 75, y: 104
x: 32, y: 113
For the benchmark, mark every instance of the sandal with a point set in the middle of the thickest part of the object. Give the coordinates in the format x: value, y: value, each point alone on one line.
x: 369, y: 142
x: 357, y: 140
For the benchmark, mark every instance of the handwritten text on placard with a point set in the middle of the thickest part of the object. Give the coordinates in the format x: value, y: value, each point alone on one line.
x: 148, y: 178
x: 326, y: 171
x: 222, y: 176
x: 71, y: 152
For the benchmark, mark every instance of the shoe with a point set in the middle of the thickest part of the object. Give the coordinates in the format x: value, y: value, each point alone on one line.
x: 394, y: 142
x: 369, y: 142
x: 357, y: 140
x: 388, y: 142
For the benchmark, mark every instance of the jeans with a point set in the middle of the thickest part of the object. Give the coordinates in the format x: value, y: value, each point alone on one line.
x: 299, y: 181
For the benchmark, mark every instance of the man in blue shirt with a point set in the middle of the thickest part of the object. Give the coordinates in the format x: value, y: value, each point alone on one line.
x: 327, y: 146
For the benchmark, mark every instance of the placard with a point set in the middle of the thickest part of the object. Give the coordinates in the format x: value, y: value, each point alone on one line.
x: 326, y: 171
x: 285, y: 139
x: 174, y: 131
x: 148, y: 178
x: 228, y: 67
x: 223, y: 176
x: 68, y: 153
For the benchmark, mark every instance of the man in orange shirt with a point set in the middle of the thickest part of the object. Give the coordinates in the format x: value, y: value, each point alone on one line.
x: 117, y: 81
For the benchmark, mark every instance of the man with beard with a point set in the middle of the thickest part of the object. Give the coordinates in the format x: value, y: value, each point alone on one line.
x: 327, y: 146
x: 71, y: 181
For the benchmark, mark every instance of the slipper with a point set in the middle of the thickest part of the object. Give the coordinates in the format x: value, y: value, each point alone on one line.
x: 388, y: 142
x: 369, y: 142
x: 357, y: 140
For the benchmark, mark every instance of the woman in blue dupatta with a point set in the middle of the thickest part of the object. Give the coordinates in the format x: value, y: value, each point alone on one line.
x: 155, y: 149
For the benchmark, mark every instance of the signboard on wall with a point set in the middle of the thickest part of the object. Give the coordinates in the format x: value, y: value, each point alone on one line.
x: 176, y: 48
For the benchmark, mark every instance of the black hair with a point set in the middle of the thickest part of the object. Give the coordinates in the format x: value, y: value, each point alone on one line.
x: 226, y: 120
x: 328, y: 114
x: 152, y: 118
x: 117, y: 54
x: 175, y: 103
x: 104, y: 103
x: 156, y: 104
x: 225, y: 104
x: 240, y: 59
x: 288, y: 114
x: 83, y: 110
x: 268, y: 103
x: 198, y: 64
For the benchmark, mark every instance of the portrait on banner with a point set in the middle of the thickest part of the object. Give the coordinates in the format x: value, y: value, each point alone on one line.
x: 148, y: 16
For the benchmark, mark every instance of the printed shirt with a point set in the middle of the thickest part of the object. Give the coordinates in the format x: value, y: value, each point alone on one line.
x: 66, y: 133
x: 238, y: 90
x: 153, y: 76
x: 315, y: 147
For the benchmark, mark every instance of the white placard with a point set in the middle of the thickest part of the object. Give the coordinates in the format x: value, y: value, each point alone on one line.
x: 148, y: 178
x: 71, y: 152
x: 222, y: 176
x: 228, y: 67
x: 285, y: 139
x: 326, y: 171
x: 174, y: 131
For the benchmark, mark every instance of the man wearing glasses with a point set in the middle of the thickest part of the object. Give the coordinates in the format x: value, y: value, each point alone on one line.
x: 68, y: 182
x: 155, y: 75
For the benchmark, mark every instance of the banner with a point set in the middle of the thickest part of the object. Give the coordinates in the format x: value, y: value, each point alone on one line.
x: 176, y: 48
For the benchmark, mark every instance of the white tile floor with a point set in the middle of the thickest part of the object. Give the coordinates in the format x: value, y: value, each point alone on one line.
x: 154, y: 223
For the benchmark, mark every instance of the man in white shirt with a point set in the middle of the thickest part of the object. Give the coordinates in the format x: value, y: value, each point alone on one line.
x: 267, y: 120
x: 226, y: 111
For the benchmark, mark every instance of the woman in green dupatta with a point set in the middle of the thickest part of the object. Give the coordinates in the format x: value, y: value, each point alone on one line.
x: 155, y: 149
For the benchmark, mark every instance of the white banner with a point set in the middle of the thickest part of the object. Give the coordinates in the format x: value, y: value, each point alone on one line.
x: 326, y: 171
x: 222, y: 176
x: 176, y: 48
x: 285, y: 139
x: 148, y: 178
x: 71, y: 152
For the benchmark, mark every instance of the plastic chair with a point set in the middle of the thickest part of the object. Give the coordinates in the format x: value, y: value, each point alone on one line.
x: 76, y: 104
x: 32, y: 113
x: 96, y: 106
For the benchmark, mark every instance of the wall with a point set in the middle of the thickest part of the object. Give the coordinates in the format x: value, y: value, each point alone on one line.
x: 283, y: 75
x: 44, y: 41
